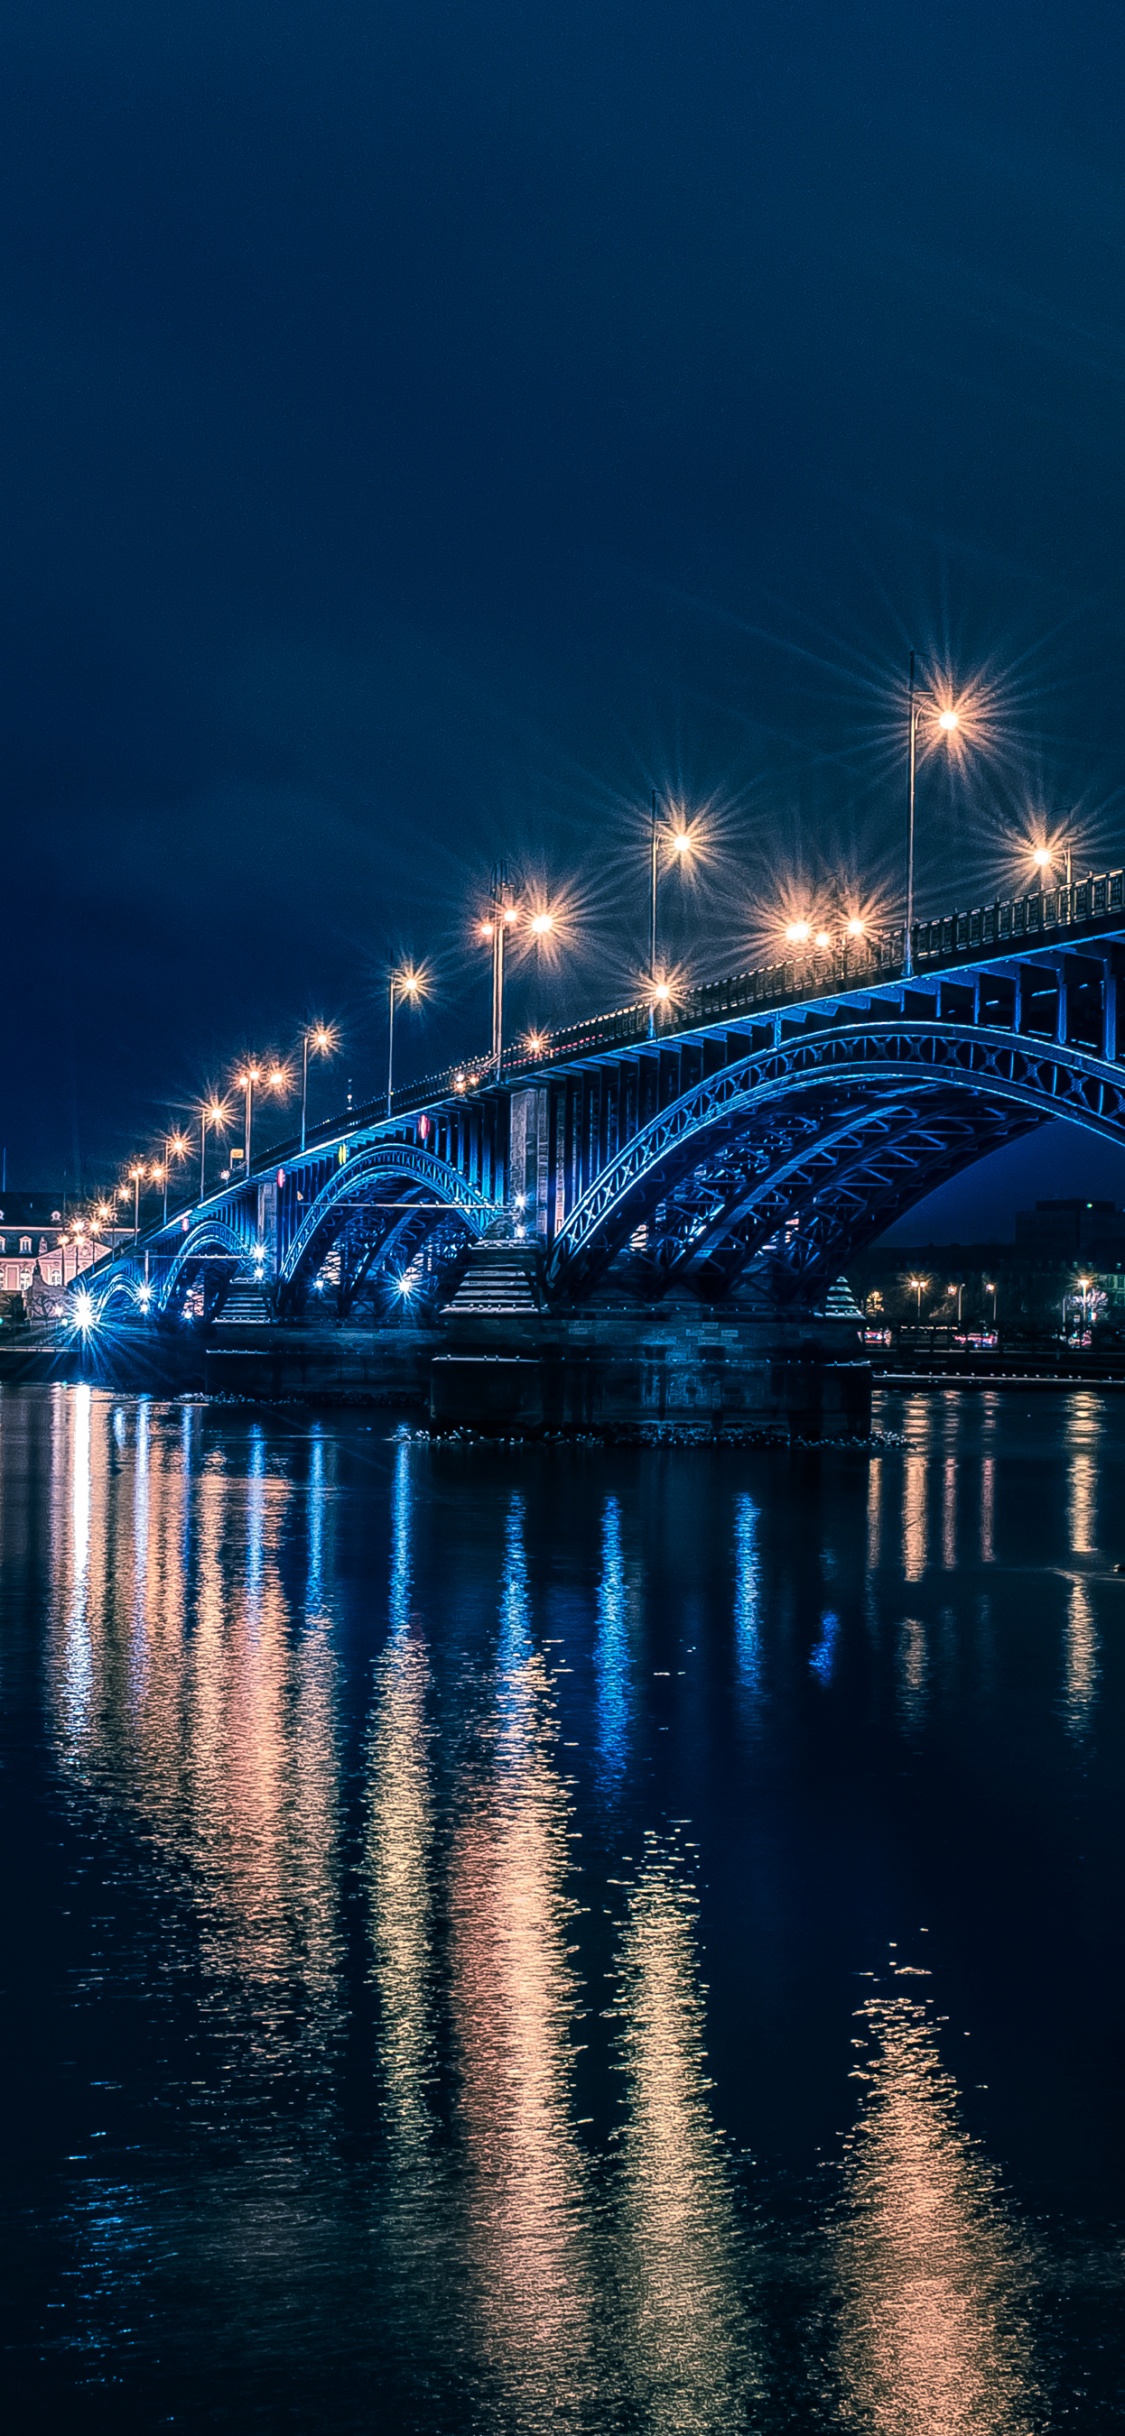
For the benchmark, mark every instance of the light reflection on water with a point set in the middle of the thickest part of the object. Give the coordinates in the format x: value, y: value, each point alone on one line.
x: 687, y: 2306
x: 409, y: 1883
x: 934, y: 2281
x: 516, y: 2003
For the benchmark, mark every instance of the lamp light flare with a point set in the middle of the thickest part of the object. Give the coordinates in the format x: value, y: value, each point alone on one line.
x: 856, y: 929
x: 661, y: 994
x: 949, y: 720
x: 823, y: 938
x: 541, y: 923
x: 798, y: 933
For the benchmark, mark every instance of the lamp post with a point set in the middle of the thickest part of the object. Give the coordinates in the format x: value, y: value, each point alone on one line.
x: 990, y: 1288
x: 212, y: 1112
x: 175, y: 1147
x: 136, y: 1173
x: 252, y: 1073
x: 404, y: 982
x: 321, y: 1038
x: 948, y: 722
x: 1044, y: 858
x: 682, y: 843
x: 505, y: 914
x: 919, y: 1285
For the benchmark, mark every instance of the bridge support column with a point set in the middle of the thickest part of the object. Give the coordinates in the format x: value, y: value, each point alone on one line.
x: 1109, y: 1007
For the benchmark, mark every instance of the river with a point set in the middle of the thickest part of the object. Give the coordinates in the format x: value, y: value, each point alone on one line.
x: 523, y: 1939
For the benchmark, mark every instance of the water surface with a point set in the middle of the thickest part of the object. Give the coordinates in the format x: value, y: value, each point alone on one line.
x: 509, y: 1940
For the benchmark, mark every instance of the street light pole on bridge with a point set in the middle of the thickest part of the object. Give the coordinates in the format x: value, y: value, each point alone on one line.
x: 948, y: 722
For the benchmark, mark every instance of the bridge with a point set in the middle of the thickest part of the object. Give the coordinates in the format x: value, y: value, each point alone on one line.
x: 741, y: 1145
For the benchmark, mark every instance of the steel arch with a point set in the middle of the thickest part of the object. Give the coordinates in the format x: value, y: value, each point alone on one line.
x: 383, y: 1161
x: 213, y: 1235
x: 881, y: 1059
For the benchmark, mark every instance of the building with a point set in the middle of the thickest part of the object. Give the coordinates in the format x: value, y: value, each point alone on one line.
x: 39, y: 1245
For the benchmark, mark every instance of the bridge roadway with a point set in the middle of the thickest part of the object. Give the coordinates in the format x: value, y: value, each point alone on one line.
x: 776, y: 1122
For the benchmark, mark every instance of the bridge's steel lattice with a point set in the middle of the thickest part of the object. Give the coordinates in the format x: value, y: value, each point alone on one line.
x: 782, y: 1119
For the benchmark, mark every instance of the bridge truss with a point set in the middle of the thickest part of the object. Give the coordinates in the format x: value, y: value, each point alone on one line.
x: 756, y: 1138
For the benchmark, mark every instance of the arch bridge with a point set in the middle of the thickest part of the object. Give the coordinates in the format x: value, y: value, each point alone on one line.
x: 770, y: 1127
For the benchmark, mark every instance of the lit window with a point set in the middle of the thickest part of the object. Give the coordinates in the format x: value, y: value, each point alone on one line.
x: 25, y: 1243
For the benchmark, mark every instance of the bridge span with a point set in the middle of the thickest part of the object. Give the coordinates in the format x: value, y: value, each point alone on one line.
x: 737, y: 1154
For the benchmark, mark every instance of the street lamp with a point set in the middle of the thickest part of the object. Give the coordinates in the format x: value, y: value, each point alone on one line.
x: 948, y: 722
x: 682, y: 845
x: 274, y: 1078
x: 990, y: 1288
x: 1044, y: 859
x: 136, y: 1174
x: 505, y: 914
x: 175, y: 1147
x: 321, y: 1038
x: 409, y: 983
x: 212, y: 1112
x: 918, y: 1285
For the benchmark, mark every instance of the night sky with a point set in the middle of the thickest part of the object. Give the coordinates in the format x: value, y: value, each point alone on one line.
x: 428, y: 427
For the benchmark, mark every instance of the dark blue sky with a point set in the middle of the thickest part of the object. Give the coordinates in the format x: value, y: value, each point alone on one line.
x: 428, y: 426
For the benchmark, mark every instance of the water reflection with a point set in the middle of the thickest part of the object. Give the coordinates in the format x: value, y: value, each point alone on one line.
x: 913, y: 1671
x: 747, y: 1591
x: 611, y: 1653
x: 683, y: 2268
x: 934, y: 2279
x: 915, y: 1494
x: 1083, y: 1437
x: 515, y: 2004
x: 1081, y: 1658
x: 400, y: 1839
x: 180, y: 1701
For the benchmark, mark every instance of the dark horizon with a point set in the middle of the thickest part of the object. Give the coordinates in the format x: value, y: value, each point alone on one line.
x: 432, y: 432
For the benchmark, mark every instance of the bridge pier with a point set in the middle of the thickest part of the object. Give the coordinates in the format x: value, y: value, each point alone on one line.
x: 506, y: 1361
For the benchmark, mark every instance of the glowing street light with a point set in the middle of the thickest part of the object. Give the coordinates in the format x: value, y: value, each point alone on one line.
x: 273, y: 1078
x: 1045, y: 858
x: 321, y: 1038
x: 175, y: 1147
x: 682, y: 846
x: 406, y: 982
x: 212, y: 1112
x: 136, y: 1178
x: 505, y: 914
x: 948, y: 722
x: 918, y: 1286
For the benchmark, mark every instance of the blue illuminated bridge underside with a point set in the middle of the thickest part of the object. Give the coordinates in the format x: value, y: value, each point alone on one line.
x: 775, y: 1124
